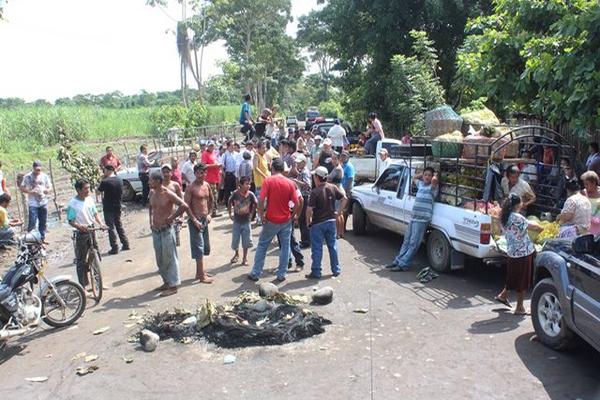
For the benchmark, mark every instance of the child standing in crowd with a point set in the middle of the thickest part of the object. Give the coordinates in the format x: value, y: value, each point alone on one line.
x: 241, y: 206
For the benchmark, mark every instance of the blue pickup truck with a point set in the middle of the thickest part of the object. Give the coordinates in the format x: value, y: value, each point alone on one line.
x: 566, y: 298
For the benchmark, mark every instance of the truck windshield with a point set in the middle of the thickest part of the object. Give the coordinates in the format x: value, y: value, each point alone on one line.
x: 312, y: 114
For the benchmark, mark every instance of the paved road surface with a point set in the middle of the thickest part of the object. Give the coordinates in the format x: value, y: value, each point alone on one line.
x: 445, y: 340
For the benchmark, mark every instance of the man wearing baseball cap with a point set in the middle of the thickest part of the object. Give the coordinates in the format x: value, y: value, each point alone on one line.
x: 321, y: 216
x: 112, y: 191
x: 274, y: 210
x: 36, y: 185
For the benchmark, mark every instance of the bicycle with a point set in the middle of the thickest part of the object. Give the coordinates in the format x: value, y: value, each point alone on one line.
x: 93, y: 259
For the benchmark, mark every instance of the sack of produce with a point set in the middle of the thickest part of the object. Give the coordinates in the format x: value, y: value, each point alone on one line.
x: 448, y: 145
x: 442, y: 120
x: 484, y: 144
x: 478, y: 119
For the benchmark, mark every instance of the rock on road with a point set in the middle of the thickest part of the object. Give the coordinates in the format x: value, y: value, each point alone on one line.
x: 446, y: 339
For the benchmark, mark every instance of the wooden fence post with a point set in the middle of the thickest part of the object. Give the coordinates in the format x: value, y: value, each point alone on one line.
x: 126, y: 154
x: 18, y: 201
x: 18, y: 181
x: 54, y: 190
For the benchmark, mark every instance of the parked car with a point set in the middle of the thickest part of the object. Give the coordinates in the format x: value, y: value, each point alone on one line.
x: 311, y: 115
x: 291, y: 121
x: 566, y: 297
x: 132, y: 186
x: 454, y: 232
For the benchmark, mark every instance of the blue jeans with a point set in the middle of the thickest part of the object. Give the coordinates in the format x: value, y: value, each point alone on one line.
x: 241, y: 230
x: 371, y: 144
x: 269, y: 231
x: 324, y: 231
x: 295, y: 251
x: 411, y: 243
x: 38, y: 216
x: 165, y: 250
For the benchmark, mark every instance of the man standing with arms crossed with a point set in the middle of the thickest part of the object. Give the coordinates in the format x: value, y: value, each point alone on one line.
x: 37, y: 186
x: 274, y: 209
x: 162, y: 202
x: 200, y: 198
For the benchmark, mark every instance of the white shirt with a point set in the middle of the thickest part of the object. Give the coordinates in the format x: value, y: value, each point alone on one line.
x: 82, y: 211
x: 37, y: 184
x: 336, y: 133
x: 529, y: 173
x: 383, y: 165
x: 188, y: 171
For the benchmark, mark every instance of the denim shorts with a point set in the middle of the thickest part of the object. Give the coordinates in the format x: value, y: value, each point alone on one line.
x: 243, y: 230
x: 198, y: 246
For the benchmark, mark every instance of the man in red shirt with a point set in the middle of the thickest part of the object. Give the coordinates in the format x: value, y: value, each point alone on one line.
x: 213, y: 172
x: 278, y: 192
x: 110, y: 159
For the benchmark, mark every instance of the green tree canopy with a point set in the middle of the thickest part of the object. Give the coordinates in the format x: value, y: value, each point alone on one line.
x: 538, y: 56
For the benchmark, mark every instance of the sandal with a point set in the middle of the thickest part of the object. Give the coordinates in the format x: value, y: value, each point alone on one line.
x: 235, y: 259
x: 503, y: 301
x: 524, y: 312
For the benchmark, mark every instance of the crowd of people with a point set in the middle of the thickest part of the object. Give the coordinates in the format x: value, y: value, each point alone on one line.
x: 252, y: 181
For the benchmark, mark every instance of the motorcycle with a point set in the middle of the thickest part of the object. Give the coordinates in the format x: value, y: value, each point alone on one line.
x: 58, y: 301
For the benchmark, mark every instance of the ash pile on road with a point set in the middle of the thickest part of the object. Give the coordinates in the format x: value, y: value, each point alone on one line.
x: 248, y: 320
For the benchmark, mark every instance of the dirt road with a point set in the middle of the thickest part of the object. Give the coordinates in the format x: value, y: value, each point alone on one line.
x: 446, y: 339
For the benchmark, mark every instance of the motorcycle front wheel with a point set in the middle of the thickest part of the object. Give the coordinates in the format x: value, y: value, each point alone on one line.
x: 73, y: 297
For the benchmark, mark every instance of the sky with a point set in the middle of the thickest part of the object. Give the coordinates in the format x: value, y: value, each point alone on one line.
x: 60, y: 48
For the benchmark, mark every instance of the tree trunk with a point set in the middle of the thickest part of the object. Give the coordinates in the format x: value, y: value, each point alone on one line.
x: 182, y: 74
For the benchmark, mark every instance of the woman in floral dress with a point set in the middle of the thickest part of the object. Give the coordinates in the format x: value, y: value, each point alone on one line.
x: 520, y: 252
x: 590, y: 182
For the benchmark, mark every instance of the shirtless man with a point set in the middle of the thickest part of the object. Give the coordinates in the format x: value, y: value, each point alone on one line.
x: 200, y: 198
x: 162, y: 202
x: 167, y: 171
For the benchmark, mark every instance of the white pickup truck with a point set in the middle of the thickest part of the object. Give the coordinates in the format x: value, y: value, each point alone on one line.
x: 454, y: 232
x: 367, y: 167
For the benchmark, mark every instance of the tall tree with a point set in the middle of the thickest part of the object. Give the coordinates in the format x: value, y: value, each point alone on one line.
x: 254, y: 33
x: 314, y: 35
x: 367, y: 34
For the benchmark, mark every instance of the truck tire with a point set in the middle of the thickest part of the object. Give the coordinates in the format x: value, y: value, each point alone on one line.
x: 438, y: 251
x: 359, y: 219
x: 548, y: 318
x: 128, y: 192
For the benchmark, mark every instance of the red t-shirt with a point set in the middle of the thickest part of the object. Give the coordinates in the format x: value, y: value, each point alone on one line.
x: 213, y: 174
x: 279, y: 191
x: 114, y: 161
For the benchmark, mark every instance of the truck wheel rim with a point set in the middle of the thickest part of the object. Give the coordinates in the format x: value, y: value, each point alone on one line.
x: 550, y: 314
x: 439, y: 250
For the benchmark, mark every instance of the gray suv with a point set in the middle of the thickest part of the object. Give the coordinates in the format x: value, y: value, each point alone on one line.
x: 566, y: 298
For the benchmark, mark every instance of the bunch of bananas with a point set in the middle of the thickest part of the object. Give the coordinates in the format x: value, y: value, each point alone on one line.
x: 550, y: 231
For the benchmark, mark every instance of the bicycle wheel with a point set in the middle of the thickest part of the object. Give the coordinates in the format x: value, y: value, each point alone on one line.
x: 95, y: 275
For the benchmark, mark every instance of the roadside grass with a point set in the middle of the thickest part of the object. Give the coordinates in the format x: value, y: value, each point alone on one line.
x: 25, y: 130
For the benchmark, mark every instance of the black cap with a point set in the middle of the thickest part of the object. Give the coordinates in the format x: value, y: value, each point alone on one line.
x: 278, y: 165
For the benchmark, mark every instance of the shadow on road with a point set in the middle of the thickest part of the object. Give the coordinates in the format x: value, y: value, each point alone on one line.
x: 577, y: 368
x: 505, y: 321
x: 10, y: 350
x: 134, y: 278
x: 474, y: 286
